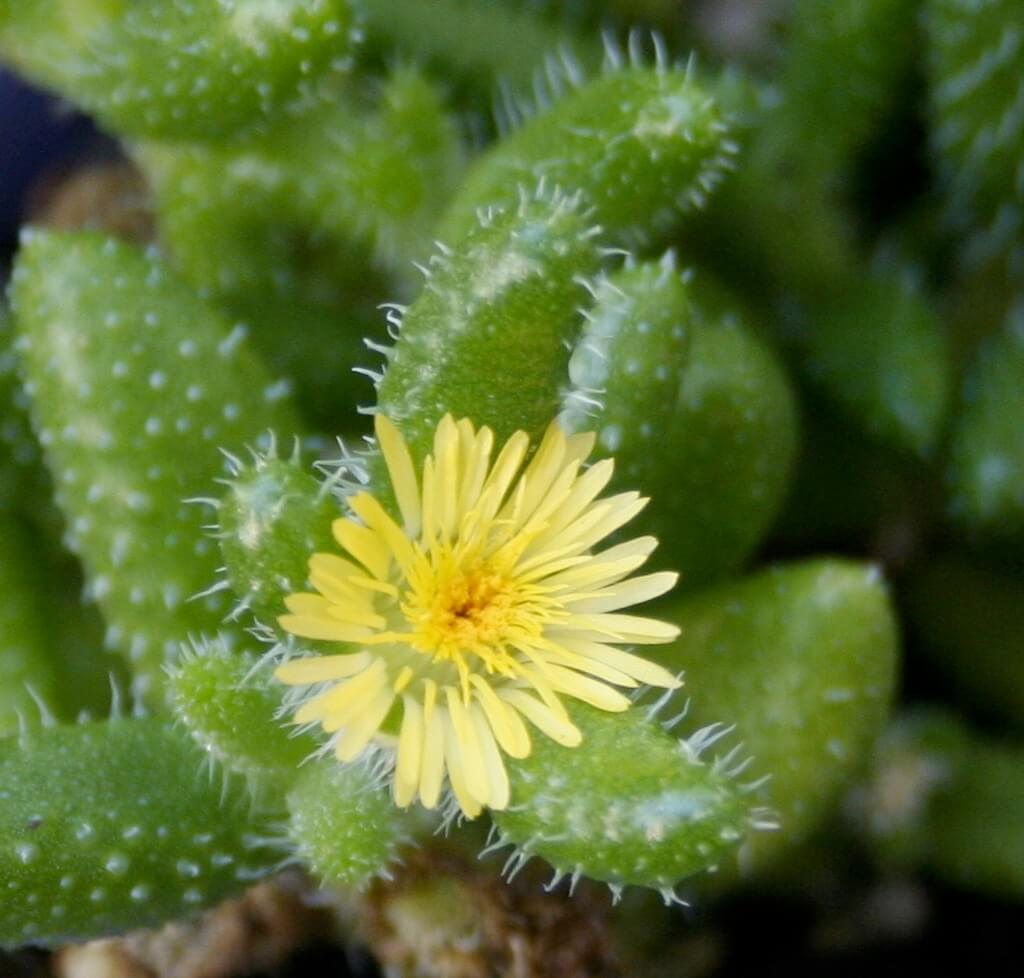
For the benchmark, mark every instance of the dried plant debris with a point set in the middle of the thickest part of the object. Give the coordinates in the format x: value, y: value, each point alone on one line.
x: 446, y: 916
x: 253, y: 934
x: 109, y: 195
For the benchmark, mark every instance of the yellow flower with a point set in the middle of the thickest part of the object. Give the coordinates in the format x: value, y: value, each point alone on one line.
x: 484, y: 607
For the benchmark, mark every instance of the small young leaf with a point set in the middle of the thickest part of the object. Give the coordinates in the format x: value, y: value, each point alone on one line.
x: 273, y: 518
x: 230, y: 706
x: 343, y: 823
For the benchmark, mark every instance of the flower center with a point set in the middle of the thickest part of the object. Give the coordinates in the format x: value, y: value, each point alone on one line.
x: 458, y: 614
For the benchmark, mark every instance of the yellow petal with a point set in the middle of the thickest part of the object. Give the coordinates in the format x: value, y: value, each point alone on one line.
x: 502, y: 473
x: 320, y: 668
x: 585, y: 490
x: 332, y: 707
x: 505, y: 722
x: 472, y: 761
x: 588, y: 571
x: 543, y: 469
x: 624, y: 628
x: 337, y: 590
x: 319, y: 628
x: 365, y: 545
x: 591, y: 691
x: 429, y: 515
x: 599, y: 520
x: 561, y: 731
x: 606, y: 567
x: 625, y: 594
x: 309, y: 605
x: 446, y: 462
x: 578, y: 447
x: 410, y: 751
x: 353, y: 613
x: 478, y: 459
x: 634, y: 665
x: 372, y: 584
x: 359, y: 731
x: 554, y: 498
x: 432, y: 769
x: 390, y: 533
x: 497, y: 776
x: 334, y: 565
x: 453, y: 758
x: 401, y: 472
x: 559, y: 654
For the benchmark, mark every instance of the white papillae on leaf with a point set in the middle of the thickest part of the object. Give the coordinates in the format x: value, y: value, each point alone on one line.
x: 476, y: 614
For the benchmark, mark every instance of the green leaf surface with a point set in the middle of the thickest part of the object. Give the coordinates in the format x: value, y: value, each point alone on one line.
x: 642, y: 145
x: 230, y: 703
x: 489, y: 337
x: 694, y: 408
x: 112, y: 825
x: 182, y: 69
x: 136, y: 386
x: 26, y: 665
x: 630, y: 805
x: 802, y: 659
x: 880, y: 352
x: 986, y: 456
x: 274, y: 516
x: 343, y: 824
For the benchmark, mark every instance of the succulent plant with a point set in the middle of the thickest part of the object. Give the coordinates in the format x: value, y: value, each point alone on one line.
x: 649, y: 312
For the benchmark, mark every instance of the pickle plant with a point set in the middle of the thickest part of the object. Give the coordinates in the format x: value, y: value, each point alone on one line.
x: 606, y: 349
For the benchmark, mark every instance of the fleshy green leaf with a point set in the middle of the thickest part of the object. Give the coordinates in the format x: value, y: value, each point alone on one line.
x: 137, y: 385
x: 642, y: 145
x: 801, y: 659
x: 230, y: 704
x: 26, y: 666
x: 630, y: 805
x: 488, y: 338
x: 111, y: 825
x: 343, y: 824
x: 184, y: 69
x: 695, y: 410
x: 272, y: 519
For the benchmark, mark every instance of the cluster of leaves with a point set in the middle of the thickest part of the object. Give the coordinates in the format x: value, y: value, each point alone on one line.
x: 674, y: 259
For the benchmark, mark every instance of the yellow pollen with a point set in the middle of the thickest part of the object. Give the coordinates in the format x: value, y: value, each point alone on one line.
x: 472, y: 611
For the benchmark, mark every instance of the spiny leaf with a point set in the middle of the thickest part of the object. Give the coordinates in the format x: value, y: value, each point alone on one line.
x: 272, y: 519
x: 488, y: 337
x: 630, y: 805
x: 640, y: 144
